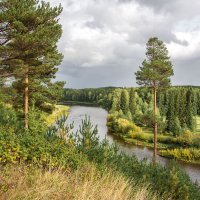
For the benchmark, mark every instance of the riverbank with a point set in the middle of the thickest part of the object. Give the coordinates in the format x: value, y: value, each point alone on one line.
x: 78, y: 103
x: 58, y: 111
x: 131, y: 134
x: 188, y: 155
x: 166, y: 150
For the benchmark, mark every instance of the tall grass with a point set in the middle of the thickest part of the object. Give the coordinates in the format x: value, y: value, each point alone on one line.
x: 86, y: 183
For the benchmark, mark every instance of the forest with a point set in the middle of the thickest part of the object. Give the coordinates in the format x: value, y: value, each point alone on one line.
x: 178, y: 109
x: 42, y: 157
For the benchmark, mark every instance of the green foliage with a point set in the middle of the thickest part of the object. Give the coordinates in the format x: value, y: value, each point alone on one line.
x: 170, y: 182
x: 149, y: 119
x: 157, y: 69
x: 124, y: 103
x: 8, y: 116
x: 87, y: 136
x: 174, y: 105
x: 36, y: 146
x: 120, y: 126
x: 28, y: 51
x: 46, y: 149
x: 133, y: 103
x: 101, y: 96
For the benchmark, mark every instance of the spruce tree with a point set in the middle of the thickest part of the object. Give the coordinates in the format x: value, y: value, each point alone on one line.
x: 190, y: 120
x: 124, y: 102
x: 116, y: 100
x: 155, y: 73
x: 132, y: 102
x: 28, y: 50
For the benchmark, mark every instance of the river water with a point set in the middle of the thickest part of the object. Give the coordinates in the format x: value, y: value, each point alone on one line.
x: 98, y: 117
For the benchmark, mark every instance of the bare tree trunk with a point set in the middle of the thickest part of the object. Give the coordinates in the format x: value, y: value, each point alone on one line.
x: 26, y: 101
x: 155, y: 128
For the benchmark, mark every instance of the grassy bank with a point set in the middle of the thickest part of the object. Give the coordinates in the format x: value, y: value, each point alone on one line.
x: 79, y: 103
x: 189, y: 155
x: 169, y: 145
x: 83, y: 184
x: 58, y: 111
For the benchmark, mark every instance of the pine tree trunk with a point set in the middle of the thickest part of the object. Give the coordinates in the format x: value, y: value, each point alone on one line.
x: 155, y: 129
x: 26, y: 101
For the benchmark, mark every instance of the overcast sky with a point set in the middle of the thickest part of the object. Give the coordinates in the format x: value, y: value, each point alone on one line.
x: 103, y: 41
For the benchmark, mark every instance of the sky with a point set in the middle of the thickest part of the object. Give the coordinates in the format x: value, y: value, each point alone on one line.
x: 104, y: 41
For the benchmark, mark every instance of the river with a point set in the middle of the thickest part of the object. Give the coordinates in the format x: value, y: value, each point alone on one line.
x: 98, y: 117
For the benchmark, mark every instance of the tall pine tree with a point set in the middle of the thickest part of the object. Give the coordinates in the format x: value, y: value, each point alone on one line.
x: 155, y: 73
x: 28, y: 43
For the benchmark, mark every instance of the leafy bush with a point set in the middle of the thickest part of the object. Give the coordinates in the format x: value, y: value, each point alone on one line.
x: 8, y: 117
x: 37, y: 147
x: 186, y: 138
x: 146, y: 137
x: 121, y: 126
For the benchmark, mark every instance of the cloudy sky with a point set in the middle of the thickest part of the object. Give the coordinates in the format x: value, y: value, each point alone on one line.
x: 103, y: 41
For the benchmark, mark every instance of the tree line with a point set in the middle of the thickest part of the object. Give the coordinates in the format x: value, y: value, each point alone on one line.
x: 177, y: 106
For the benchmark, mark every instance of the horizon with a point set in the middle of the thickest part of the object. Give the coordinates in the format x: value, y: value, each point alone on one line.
x: 137, y: 86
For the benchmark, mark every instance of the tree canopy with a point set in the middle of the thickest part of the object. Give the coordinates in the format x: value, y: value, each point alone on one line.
x: 29, y: 32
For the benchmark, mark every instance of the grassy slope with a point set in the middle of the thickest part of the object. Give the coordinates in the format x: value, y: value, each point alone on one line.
x: 86, y: 183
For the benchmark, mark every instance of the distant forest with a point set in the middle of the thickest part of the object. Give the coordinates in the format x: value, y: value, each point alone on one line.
x: 177, y: 105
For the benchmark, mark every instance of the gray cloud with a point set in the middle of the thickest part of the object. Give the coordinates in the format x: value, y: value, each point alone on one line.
x: 104, y: 41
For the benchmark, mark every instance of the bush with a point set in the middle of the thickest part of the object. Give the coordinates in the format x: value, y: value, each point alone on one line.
x: 141, y: 136
x: 185, y: 138
x: 121, y: 126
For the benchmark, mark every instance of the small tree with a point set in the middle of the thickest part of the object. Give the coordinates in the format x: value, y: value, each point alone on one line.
x: 155, y: 73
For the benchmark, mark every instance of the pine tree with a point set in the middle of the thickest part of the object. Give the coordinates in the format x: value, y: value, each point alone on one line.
x: 124, y: 101
x: 28, y: 50
x: 190, y: 120
x: 116, y: 100
x: 155, y: 73
x: 132, y: 101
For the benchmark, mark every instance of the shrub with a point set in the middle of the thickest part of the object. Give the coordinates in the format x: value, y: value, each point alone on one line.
x: 185, y: 138
x: 121, y: 126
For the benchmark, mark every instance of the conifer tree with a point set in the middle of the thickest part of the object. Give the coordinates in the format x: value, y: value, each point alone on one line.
x: 116, y: 100
x: 155, y: 73
x: 132, y: 101
x: 190, y: 121
x: 28, y: 49
x: 124, y: 101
